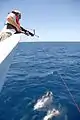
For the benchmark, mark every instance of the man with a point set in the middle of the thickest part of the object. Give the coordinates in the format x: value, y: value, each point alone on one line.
x: 13, y: 26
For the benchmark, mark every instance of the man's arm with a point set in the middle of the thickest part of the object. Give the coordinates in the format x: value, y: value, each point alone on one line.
x: 26, y: 31
x: 11, y: 21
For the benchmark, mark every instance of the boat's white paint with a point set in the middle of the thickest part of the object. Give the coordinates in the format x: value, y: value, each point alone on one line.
x: 6, y: 46
x: 7, y: 51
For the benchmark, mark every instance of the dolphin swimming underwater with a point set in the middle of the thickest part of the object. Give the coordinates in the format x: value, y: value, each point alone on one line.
x: 44, y: 101
x: 51, y: 114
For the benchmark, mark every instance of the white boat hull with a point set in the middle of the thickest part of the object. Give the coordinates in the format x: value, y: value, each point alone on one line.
x: 7, y: 51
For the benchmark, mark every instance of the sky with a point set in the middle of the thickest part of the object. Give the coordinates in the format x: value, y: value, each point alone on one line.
x: 54, y: 20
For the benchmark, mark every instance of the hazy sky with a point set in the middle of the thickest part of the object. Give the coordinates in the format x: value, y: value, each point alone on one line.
x: 52, y: 19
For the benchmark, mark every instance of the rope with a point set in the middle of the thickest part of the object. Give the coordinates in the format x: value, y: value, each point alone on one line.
x: 67, y: 88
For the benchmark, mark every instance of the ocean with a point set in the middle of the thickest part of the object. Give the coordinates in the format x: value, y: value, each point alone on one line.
x: 36, y: 68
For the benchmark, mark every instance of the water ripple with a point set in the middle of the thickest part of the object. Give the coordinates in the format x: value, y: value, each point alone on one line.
x: 34, y: 70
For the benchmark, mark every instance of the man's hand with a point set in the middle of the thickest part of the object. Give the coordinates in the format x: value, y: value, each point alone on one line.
x: 18, y: 28
x: 27, y: 33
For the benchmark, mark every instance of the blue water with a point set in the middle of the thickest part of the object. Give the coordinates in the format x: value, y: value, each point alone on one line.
x: 36, y: 69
